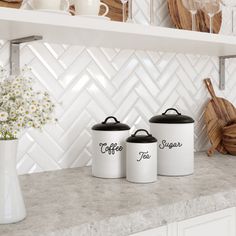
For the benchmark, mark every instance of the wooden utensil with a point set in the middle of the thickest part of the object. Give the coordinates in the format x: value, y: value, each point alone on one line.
x: 218, y: 113
x: 181, y: 18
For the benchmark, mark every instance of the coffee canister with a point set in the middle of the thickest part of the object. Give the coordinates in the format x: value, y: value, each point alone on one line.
x: 175, y: 146
x: 109, y: 148
x: 141, y: 158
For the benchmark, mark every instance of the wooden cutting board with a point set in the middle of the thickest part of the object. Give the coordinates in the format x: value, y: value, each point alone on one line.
x: 229, y: 138
x: 181, y: 18
x: 218, y: 113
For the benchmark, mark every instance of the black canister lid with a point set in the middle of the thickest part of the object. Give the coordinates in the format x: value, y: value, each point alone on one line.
x: 171, y: 118
x: 134, y: 138
x: 110, y: 126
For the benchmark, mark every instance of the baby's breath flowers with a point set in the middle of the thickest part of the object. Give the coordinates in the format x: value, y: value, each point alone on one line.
x: 21, y: 106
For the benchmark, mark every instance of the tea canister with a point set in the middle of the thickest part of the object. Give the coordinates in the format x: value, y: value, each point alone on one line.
x: 175, y: 143
x: 141, y: 158
x: 109, y: 148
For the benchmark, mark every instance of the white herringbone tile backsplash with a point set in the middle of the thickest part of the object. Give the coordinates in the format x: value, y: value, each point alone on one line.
x: 89, y: 84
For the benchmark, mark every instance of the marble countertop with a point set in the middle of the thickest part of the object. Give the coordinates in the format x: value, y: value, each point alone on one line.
x: 73, y: 203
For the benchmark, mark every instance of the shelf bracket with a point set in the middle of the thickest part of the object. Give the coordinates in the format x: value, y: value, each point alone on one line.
x: 222, y: 70
x: 15, y: 52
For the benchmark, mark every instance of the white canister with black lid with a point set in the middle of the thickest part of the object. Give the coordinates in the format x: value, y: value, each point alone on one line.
x: 175, y: 143
x: 109, y: 148
x: 141, y: 158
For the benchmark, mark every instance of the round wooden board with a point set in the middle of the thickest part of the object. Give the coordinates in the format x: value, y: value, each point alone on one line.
x: 218, y: 113
x: 229, y: 138
x: 181, y: 18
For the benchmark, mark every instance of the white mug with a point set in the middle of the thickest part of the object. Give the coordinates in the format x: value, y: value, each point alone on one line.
x: 89, y: 7
x: 51, y: 5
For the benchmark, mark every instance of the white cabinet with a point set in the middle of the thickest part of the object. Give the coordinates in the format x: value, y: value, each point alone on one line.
x: 162, y: 231
x: 220, y: 223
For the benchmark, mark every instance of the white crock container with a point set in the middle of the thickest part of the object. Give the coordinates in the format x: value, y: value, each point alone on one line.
x: 175, y: 143
x: 141, y: 158
x: 109, y: 149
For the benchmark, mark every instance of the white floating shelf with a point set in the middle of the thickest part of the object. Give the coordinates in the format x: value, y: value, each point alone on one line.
x: 65, y: 29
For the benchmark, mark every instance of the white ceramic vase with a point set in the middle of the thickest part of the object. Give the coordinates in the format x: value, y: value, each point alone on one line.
x: 12, y: 207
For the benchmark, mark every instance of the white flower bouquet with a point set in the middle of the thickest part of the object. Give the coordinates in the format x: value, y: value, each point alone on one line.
x: 21, y: 106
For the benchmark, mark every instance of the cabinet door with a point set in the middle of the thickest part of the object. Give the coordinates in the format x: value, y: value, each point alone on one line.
x: 162, y: 231
x: 221, y: 223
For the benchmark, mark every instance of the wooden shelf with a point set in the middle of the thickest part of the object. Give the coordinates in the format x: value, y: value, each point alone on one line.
x: 57, y: 28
